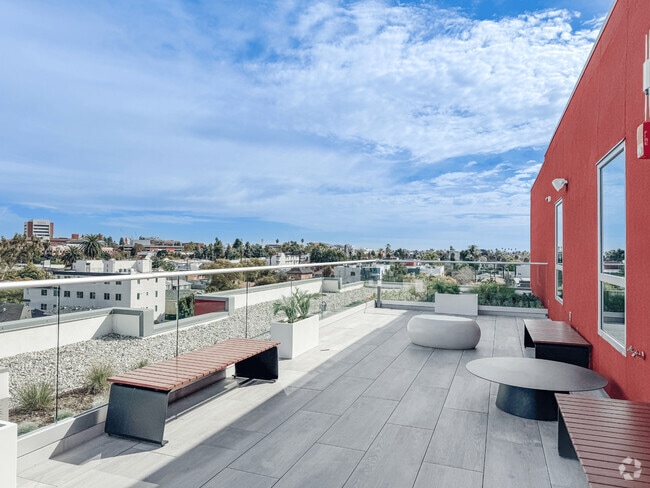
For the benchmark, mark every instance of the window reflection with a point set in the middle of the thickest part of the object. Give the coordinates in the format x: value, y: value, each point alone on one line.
x: 612, y: 197
x: 611, y: 188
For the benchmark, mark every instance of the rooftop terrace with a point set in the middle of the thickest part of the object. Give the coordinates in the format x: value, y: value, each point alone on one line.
x: 365, y: 409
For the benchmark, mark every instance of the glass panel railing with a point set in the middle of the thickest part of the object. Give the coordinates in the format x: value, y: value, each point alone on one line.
x: 29, y: 357
x: 83, y: 330
x: 497, y: 284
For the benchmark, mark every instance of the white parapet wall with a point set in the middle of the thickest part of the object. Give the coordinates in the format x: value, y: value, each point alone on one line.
x: 457, y: 304
x: 41, y: 334
x: 268, y: 293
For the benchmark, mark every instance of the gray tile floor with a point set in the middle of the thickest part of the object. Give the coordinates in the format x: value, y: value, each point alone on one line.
x: 365, y: 409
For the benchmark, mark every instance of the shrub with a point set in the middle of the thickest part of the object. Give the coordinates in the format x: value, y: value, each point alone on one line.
x: 408, y: 294
x: 97, y: 378
x: 441, y: 284
x: 141, y: 364
x: 266, y: 280
x: 492, y: 293
x: 36, y: 396
x: 27, y: 426
x: 65, y: 414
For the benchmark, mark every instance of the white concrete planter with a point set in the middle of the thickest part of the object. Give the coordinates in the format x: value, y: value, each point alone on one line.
x: 8, y: 454
x: 295, y: 338
x: 463, y: 304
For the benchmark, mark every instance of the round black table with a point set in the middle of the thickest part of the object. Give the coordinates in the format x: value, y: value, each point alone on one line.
x: 527, y: 386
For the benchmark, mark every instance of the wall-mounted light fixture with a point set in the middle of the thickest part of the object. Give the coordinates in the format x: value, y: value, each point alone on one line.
x: 559, y: 183
x: 548, y: 198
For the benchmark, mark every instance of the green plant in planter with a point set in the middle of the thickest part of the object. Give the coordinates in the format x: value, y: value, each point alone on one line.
x: 296, y: 306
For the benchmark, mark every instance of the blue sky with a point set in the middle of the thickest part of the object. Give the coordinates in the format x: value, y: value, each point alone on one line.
x: 420, y: 124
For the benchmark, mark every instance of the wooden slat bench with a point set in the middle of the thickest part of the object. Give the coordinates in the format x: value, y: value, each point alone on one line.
x: 138, y: 401
x: 557, y: 341
x: 605, y: 434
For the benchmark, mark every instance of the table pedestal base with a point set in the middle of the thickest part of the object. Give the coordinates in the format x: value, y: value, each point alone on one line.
x: 527, y: 403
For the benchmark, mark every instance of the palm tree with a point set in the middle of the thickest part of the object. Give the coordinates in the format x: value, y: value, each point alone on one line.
x: 91, y: 246
x: 72, y: 254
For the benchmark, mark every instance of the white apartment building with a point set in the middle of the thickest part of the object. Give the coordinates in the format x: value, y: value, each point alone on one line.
x: 139, y: 294
x: 281, y: 259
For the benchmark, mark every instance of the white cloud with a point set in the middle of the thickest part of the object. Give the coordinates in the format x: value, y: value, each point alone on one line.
x: 277, y: 111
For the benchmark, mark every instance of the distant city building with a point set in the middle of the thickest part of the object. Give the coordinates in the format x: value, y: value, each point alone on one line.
x: 43, y: 229
x: 155, y: 244
x: 348, y: 273
x: 282, y: 259
x: 300, y: 274
x: 140, y: 294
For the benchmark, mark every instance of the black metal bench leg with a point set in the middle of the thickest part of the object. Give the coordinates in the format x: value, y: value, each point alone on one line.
x: 262, y: 366
x: 137, y: 413
x: 564, y: 443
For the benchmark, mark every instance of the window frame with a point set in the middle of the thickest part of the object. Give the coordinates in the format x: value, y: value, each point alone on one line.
x: 609, y: 278
x: 559, y: 256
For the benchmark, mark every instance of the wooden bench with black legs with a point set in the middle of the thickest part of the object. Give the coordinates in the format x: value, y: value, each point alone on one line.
x: 610, y: 438
x: 557, y: 341
x: 137, y: 406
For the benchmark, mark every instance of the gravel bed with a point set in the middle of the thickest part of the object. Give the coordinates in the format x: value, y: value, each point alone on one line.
x: 123, y: 353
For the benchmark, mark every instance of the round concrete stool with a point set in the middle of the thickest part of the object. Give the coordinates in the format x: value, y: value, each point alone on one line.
x: 443, y: 331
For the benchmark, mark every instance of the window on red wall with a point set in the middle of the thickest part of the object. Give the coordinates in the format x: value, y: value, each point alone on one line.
x: 611, y: 266
x: 559, y: 257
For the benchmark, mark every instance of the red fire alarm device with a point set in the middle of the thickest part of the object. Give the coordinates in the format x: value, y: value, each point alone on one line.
x: 643, y: 141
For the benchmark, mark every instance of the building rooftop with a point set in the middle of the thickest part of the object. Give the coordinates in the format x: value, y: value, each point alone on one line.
x: 365, y: 409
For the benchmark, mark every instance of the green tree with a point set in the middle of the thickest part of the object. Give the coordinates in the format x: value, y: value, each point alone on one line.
x: 136, y: 249
x: 19, y: 249
x: 292, y: 248
x: 186, y: 306
x: 402, y: 253
x: 221, y: 282
x: 15, y: 295
x: 472, y: 253
x: 71, y: 255
x: 31, y: 272
x: 270, y: 251
x: 91, y: 246
x: 247, y: 250
x: 614, y: 256
x: 388, y: 253
x: 217, y: 249
x: 429, y: 255
x: 395, y: 273
x: 257, y: 251
x: 321, y: 253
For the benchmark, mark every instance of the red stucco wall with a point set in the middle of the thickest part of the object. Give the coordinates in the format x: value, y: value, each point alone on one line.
x: 606, y: 107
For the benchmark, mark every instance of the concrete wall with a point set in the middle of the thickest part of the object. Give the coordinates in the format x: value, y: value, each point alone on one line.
x: 41, y: 334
